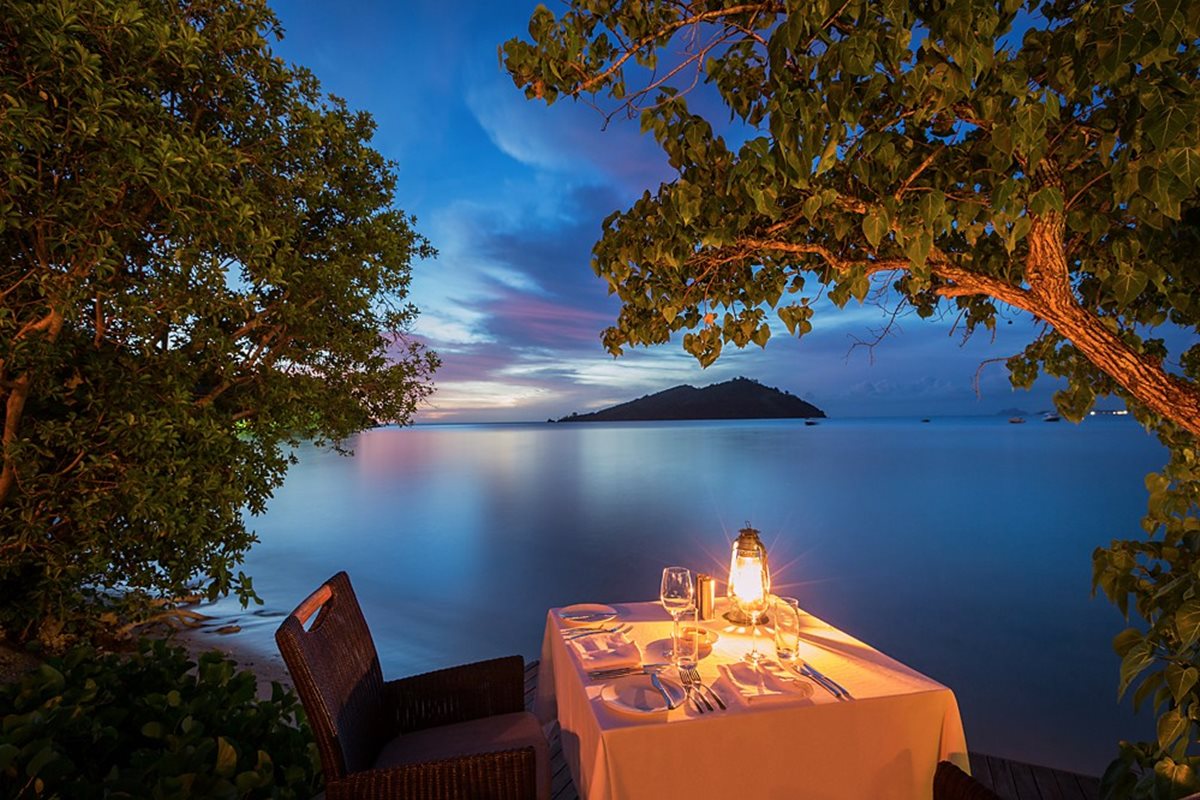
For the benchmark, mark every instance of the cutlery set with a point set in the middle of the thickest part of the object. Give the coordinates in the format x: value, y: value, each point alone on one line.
x: 694, y: 687
x: 697, y: 688
x: 579, y: 633
x: 621, y: 672
x: 585, y: 616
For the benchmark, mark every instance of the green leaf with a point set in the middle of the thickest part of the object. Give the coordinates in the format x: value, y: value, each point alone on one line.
x: 1180, y: 680
x: 43, y: 757
x: 875, y: 225
x: 1138, y: 658
x: 811, y: 206
x: 917, y: 247
x: 1124, y: 641
x: 1128, y: 284
x: 1187, y: 623
x: 1019, y: 230
x: 1185, y: 163
x: 828, y: 156
x: 1171, y: 726
x: 1180, y: 777
x: 1045, y: 200
x: 8, y: 755
x: 226, y: 758
x: 1164, y: 126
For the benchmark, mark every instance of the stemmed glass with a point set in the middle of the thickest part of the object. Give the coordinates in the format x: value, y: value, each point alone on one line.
x: 677, y: 594
x: 754, y: 603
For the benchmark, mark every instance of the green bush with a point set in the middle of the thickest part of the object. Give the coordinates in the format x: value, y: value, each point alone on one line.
x: 152, y: 725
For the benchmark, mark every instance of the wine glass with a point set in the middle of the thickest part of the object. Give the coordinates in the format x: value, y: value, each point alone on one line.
x: 753, y: 601
x: 677, y: 594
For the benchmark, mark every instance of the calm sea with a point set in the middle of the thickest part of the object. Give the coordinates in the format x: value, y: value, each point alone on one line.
x: 961, y: 547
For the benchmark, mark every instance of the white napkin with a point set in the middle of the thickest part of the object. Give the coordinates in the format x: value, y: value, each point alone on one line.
x: 754, y: 687
x: 607, y: 651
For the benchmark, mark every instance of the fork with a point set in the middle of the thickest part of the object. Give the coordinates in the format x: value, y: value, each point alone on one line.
x: 570, y: 637
x: 691, y: 674
x: 691, y: 685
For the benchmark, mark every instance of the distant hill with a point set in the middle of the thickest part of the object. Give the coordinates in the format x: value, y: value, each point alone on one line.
x: 740, y: 398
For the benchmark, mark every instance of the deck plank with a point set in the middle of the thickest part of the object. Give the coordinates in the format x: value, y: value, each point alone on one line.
x: 1048, y: 785
x: 1002, y: 778
x: 981, y: 769
x: 1089, y: 787
x: 1011, y: 780
x: 1026, y: 783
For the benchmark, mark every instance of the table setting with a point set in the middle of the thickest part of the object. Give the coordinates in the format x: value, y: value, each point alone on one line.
x: 689, y: 691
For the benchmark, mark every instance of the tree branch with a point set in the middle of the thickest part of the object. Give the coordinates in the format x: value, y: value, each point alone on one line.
x: 667, y: 30
x: 839, y: 264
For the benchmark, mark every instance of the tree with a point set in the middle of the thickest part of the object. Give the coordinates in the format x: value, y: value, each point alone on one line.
x: 200, y: 267
x: 960, y: 156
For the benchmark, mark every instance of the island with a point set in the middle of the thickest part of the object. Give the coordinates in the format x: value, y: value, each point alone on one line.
x: 740, y: 398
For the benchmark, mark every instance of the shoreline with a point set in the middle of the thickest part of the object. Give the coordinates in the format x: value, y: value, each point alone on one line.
x: 268, y: 668
x: 205, y: 637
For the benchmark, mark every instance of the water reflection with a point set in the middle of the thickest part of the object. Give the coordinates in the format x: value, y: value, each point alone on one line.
x: 960, y: 547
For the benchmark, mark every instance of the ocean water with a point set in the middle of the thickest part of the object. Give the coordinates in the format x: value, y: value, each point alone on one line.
x: 962, y: 547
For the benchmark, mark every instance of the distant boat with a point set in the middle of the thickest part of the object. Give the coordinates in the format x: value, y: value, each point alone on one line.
x: 810, y: 422
x: 1016, y: 420
x: 925, y: 419
x: 1048, y: 417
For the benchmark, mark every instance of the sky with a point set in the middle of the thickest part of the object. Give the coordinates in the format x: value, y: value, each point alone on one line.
x: 512, y: 194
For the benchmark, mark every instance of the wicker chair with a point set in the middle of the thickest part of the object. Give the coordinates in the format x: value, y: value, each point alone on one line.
x: 951, y: 783
x: 460, y: 732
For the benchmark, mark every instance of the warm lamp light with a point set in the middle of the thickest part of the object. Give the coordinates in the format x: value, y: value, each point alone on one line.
x: 747, y: 566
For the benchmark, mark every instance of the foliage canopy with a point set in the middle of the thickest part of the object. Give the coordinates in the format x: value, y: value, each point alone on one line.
x: 930, y: 143
x: 200, y: 266
x: 961, y: 156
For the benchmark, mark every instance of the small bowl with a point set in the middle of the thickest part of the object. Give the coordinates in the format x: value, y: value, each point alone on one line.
x: 705, y: 638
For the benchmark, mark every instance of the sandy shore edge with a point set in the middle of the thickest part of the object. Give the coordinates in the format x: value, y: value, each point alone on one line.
x: 267, y: 667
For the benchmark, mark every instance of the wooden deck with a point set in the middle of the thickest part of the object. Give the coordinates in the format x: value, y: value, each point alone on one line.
x: 1011, y: 780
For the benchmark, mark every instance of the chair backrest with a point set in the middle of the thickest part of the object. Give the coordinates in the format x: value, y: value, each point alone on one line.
x: 336, y: 671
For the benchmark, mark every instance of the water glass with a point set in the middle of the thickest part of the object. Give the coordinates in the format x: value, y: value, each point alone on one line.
x: 686, y: 647
x: 786, y: 611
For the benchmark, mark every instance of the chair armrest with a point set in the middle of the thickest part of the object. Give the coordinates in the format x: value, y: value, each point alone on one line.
x: 457, y: 694
x: 503, y: 775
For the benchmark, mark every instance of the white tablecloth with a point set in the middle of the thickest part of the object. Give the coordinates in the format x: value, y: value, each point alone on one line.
x: 884, y: 744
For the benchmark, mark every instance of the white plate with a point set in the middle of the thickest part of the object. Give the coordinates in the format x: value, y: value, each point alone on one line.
x: 596, y: 614
x: 636, y: 695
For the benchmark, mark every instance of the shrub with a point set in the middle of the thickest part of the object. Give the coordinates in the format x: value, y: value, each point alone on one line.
x: 152, y: 724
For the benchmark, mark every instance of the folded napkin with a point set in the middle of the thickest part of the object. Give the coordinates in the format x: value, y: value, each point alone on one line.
x: 607, y: 651
x: 755, y: 687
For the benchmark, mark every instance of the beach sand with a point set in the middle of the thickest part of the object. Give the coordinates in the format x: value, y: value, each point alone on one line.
x: 267, y: 667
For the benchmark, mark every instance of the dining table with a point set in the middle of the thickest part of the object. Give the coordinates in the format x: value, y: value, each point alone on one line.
x: 882, y: 741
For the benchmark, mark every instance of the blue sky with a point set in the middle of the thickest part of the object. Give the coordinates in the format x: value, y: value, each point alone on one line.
x: 512, y: 194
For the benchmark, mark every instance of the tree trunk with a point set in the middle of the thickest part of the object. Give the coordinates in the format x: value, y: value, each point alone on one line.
x: 14, y: 407
x: 1054, y: 301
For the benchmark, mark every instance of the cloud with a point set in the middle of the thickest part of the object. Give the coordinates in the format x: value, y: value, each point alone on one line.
x: 568, y: 139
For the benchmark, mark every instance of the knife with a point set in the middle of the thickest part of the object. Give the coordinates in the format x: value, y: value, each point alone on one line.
x: 713, y: 694
x: 835, y: 690
x: 585, y: 616
x: 657, y: 684
x: 820, y: 676
x: 804, y: 673
x: 618, y: 672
